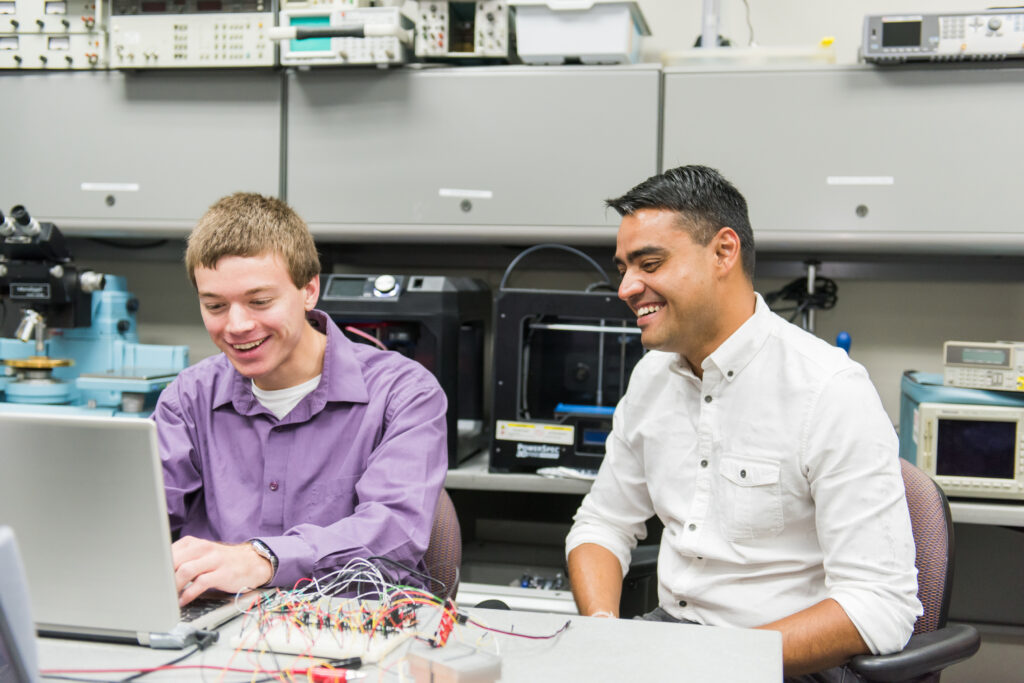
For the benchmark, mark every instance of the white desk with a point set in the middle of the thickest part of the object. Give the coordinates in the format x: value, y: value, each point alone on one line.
x: 589, y: 650
x: 473, y: 474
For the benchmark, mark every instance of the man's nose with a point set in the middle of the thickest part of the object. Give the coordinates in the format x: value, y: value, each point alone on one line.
x: 239, y: 320
x: 630, y: 287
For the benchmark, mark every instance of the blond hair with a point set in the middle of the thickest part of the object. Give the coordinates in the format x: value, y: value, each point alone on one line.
x: 249, y: 224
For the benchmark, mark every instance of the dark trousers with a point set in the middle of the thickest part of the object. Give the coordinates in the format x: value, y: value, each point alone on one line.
x: 838, y: 674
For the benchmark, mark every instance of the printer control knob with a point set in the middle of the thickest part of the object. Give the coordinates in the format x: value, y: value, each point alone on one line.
x: 384, y: 284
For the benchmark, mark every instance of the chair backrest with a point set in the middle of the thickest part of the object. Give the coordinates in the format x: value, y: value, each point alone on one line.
x: 933, y: 537
x: 444, y: 553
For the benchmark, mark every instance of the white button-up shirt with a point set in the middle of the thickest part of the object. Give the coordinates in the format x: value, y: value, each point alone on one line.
x: 777, y: 479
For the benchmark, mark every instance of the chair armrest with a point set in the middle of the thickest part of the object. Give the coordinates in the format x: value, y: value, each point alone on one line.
x: 923, y: 654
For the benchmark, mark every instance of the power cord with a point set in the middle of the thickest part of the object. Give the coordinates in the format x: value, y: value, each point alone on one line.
x: 551, y: 245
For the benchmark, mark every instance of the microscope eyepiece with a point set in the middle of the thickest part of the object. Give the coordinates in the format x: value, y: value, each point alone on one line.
x: 21, y: 215
x: 6, y: 226
x: 23, y: 220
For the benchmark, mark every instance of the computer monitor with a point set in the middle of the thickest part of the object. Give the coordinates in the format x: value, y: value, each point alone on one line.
x: 18, y: 658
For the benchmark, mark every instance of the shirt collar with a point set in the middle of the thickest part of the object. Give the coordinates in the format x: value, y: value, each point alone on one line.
x: 736, y: 352
x: 340, y: 380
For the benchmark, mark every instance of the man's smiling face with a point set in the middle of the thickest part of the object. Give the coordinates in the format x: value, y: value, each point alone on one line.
x: 256, y: 315
x: 667, y: 280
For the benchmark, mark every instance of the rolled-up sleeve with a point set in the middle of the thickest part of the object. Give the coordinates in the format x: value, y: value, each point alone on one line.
x: 614, y: 513
x: 863, y: 524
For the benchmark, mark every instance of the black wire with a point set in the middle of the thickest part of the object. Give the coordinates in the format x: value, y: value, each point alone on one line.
x: 825, y: 296
x: 551, y: 245
x: 177, y: 660
x: 75, y: 678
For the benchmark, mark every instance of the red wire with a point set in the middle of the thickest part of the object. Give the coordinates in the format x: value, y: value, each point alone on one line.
x: 322, y: 673
x: 518, y: 635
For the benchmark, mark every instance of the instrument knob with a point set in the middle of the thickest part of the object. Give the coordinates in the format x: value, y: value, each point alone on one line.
x: 385, y: 284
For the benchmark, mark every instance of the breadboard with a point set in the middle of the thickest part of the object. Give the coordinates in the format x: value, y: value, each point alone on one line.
x: 329, y: 643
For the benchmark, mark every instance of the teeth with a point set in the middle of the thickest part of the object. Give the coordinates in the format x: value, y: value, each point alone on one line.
x: 644, y: 310
x: 246, y: 347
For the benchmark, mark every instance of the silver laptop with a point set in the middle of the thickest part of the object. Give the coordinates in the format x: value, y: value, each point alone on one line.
x: 85, y: 498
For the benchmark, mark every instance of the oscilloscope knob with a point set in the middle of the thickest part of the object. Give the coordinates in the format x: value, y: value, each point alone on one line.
x: 994, y: 23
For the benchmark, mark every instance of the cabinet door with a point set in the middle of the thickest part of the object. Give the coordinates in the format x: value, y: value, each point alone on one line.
x: 473, y: 147
x: 129, y: 153
x: 860, y: 158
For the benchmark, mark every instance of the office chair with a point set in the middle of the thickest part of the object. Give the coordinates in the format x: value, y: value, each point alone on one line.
x: 934, y: 644
x: 444, y: 552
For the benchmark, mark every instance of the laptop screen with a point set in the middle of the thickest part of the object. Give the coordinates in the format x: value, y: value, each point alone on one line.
x: 17, y: 640
x: 13, y: 668
x: 85, y: 497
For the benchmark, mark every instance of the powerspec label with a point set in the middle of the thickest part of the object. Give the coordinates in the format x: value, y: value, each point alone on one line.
x: 535, y: 432
x: 537, y: 450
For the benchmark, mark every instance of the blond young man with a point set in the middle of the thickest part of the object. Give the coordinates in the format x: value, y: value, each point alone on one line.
x: 294, y: 450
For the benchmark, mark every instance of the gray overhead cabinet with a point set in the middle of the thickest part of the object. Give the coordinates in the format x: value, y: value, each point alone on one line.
x: 147, y: 153
x: 504, y: 154
x: 842, y: 159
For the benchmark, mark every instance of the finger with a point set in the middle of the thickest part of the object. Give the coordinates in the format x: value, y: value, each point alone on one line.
x: 193, y: 590
x: 187, y: 549
x: 189, y: 571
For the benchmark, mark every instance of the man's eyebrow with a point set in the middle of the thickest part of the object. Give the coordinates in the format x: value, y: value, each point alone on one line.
x: 248, y: 292
x: 640, y: 253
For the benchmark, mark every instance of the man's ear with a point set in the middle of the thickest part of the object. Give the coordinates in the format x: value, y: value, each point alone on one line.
x: 726, y: 245
x: 311, y: 293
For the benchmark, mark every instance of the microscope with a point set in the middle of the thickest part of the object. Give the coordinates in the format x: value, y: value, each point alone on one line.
x: 75, y: 349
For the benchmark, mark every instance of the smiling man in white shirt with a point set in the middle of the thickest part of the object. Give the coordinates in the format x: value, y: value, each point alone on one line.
x: 764, y: 451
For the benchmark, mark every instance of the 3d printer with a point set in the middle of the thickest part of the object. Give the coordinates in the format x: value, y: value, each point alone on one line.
x: 438, y: 321
x: 76, y: 345
x: 562, y: 360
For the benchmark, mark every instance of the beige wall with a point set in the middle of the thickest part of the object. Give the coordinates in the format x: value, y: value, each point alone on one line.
x: 676, y: 24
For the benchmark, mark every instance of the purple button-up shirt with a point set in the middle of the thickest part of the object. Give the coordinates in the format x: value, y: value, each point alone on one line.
x: 354, y: 470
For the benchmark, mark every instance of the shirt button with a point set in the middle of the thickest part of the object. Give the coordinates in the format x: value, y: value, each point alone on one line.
x: 699, y: 557
x: 273, y: 486
x: 693, y: 527
x: 707, y: 399
x: 743, y: 474
x: 703, y: 463
x: 729, y: 373
x: 682, y: 603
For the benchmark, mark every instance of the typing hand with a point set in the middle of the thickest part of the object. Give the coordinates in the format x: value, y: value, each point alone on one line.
x: 200, y: 565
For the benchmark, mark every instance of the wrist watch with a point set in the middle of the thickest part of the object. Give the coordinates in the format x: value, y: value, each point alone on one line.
x: 264, y: 551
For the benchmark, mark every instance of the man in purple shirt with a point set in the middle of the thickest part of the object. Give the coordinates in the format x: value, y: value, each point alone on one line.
x: 295, y: 450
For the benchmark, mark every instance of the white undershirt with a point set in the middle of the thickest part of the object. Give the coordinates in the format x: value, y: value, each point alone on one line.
x: 281, y: 401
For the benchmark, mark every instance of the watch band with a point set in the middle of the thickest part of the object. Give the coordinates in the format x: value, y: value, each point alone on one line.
x: 264, y: 551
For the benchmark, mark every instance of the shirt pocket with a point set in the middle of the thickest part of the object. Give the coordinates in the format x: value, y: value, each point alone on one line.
x: 751, y: 495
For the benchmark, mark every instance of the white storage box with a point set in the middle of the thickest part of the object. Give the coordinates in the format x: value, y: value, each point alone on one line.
x: 591, y: 31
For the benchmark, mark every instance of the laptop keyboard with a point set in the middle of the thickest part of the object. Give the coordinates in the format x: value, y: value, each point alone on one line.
x: 201, y: 606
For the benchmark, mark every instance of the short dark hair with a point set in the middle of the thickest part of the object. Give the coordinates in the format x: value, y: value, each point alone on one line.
x: 705, y: 201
